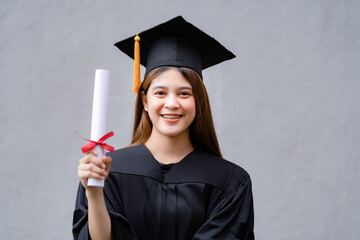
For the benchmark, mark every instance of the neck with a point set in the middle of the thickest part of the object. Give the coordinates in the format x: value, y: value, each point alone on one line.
x: 169, y: 149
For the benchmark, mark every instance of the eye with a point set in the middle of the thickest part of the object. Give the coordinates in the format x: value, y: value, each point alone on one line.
x: 159, y: 93
x: 185, y: 93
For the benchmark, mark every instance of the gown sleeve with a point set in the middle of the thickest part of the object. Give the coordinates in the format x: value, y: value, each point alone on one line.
x: 233, y: 216
x: 121, y: 228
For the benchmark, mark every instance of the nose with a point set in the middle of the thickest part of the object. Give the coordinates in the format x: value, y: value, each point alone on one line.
x: 171, y: 102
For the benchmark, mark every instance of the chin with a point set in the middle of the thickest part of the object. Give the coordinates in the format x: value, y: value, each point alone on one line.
x: 172, y: 134
x: 175, y: 133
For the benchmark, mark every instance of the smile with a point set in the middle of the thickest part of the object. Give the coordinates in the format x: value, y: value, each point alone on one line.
x: 171, y: 116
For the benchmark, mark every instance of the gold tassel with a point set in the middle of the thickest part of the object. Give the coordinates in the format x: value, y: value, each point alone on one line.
x: 137, y: 80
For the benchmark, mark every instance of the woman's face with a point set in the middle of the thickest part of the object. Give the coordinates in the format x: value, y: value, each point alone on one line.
x: 170, y: 104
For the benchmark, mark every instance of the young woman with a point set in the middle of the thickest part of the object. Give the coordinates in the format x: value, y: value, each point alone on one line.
x: 172, y: 182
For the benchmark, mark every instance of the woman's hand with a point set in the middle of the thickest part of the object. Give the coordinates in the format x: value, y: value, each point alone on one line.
x: 91, y: 167
x: 98, y: 216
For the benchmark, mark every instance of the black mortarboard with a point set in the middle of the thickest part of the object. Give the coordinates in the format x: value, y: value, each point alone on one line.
x: 175, y: 43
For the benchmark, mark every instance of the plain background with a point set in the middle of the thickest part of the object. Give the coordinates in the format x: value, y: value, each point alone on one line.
x: 286, y: 109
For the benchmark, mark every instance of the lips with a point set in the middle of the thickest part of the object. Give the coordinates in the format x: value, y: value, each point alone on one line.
x: 171, y: 116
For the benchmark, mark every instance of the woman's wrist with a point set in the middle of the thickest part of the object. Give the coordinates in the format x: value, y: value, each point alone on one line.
x: 95, y: 193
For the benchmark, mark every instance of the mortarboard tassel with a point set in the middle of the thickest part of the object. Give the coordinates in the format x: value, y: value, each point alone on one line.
x: 137, y: 81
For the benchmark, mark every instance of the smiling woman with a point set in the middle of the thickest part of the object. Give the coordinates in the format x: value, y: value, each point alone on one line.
x: 172, y: 182
x: 170, y: 105
x: 202, y: 132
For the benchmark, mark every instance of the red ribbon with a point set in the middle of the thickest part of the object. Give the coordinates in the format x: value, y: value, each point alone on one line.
x: 92, y: 144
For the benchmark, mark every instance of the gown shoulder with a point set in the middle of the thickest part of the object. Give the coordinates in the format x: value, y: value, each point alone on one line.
x: 198, y: 166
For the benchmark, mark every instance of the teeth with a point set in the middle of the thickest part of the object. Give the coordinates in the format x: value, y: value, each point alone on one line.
x: 171, y: 116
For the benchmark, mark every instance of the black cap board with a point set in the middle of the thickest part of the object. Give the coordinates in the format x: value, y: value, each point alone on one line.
x: 176, y: 43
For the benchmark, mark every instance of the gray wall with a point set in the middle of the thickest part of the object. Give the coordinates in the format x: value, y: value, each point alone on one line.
x: 286, y: 109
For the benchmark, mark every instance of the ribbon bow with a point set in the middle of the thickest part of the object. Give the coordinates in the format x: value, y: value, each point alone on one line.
x: 91, y: 145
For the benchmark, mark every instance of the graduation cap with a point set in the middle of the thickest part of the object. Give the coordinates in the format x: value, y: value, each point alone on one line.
x: 173, y: 43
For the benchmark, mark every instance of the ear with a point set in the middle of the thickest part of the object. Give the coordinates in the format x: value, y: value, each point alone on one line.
x: 144, y: 100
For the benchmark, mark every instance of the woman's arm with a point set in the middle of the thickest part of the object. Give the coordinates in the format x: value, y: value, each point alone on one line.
x: 98, y: 217
x: 99, y: 220
x: 233, y: 216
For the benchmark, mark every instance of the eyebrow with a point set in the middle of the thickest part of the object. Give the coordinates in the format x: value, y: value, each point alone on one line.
x: 179, y: 88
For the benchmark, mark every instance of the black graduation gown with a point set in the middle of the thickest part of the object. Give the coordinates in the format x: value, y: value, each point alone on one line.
x: 201, y: 197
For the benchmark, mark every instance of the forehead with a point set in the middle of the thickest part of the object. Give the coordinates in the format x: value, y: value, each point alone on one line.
x: 169, y: 78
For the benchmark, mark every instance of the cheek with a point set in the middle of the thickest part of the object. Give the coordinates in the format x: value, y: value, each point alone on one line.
x: 192, y: 108
x: 152, y: 105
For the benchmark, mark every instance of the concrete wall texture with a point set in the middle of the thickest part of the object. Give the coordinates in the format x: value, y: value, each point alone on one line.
x: 286, y: 109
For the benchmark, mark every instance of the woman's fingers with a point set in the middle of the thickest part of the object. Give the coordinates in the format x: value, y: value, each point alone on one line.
x: 92, y: 167
x: 93, y: 152
x: 83, y: 176
x: 107, y: 160
x: 91, y: 170
x: 89, y: 158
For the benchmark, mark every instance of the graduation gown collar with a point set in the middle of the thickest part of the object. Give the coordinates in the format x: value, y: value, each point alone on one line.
x: 197, y: 166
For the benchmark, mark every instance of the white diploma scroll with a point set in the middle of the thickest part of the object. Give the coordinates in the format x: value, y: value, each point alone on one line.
x: 99, y: 115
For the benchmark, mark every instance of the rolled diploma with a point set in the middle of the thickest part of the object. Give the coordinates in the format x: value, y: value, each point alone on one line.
x: 99, y: 115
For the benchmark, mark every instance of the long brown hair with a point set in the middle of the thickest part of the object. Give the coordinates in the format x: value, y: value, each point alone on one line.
x: 202, y: 131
